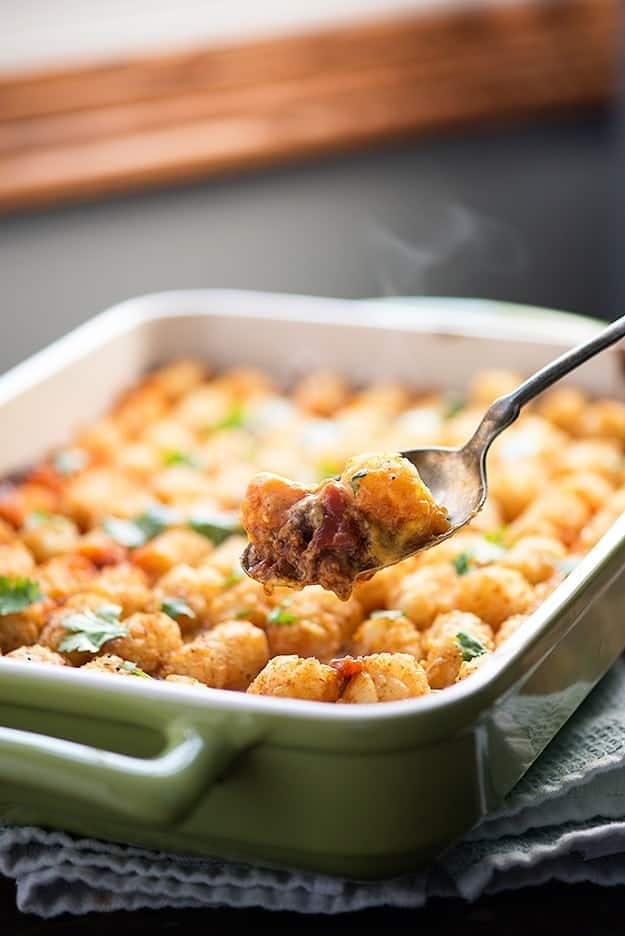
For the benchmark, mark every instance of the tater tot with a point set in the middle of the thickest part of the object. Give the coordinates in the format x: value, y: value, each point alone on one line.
x: 604, y: 419
x: 386, y: 677
x: 63, y: 576
x: 124, y: 585
x: 99, y: 493
x: 515, y: 485
x: 425, y: 593
x: 321, y: 393
x: 488, y: 385
x: 294, y: 678
x: 54, y: 632
x: 23, y: 627
x: 243, y: 599
x: 16, y: 560
x: 494, y: 593
x: 509, y: 627
x: 374, y: 593
x: 151, y: 640
x: 387, y: 631
x: 169, y: 549
x: 597, y: 455
x: 48, y: 535
x: 227, y: 657
x: 184, y: 680
x: 108, y: 663
x: 18, y: 501
x: 468, y: 667
x: 556, y: 514
x: 196, y: 587
x: 176, y: 379
x: 312, y: 622
x: 535, y: 557
x: 564, y: 407
x: 444, y: 648
x: 35, y: 654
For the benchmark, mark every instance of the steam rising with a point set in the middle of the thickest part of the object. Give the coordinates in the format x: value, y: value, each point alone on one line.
x: 456, y: 251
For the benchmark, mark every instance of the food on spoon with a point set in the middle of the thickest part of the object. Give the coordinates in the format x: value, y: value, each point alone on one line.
x: 377, y: 511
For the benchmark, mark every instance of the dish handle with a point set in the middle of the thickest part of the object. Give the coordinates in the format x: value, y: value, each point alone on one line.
x: 158, y: 790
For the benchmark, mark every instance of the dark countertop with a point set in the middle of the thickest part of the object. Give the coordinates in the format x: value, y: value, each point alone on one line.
x: 552, y: 908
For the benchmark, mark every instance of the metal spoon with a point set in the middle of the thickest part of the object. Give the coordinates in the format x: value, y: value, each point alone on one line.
x: 457, y: 476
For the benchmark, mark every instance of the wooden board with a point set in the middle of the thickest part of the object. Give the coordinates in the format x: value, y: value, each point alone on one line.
x: 158, y: 120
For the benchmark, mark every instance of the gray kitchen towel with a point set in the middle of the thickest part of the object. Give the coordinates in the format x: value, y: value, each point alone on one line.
x: 564, y: 821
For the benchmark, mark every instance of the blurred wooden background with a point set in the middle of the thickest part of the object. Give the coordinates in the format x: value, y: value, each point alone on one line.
x: 156, y: 119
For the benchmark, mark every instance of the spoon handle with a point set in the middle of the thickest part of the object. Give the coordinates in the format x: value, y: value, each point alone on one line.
x: 567, y: 362
x: 506, y: 409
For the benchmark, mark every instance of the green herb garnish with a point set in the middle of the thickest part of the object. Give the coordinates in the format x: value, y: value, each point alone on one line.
x: 470, y: 646
x: 133, y: 669
x: 391, y: 615
x: 242, y: 613
x: 281, y: 615
x: 355, y: 478
x: 234, y: 419
x: 133, y: 533
x: 39, y: 517
x: 16, y: 594
x: 235, y: 576
x: 462, y: 563
x: 177, y: 607
x: 496, y: 536
x: 36, y: 518
x: 176, y: 457
x: 327, y: 469
x: 70, y: 461
x: 453, y: 408
x: 90, y: 629
x: 216, y: 527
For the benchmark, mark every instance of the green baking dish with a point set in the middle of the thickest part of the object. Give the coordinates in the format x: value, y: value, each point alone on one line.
x: 360, y: 791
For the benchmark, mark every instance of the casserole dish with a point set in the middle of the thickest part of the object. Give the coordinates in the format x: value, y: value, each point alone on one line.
x: 361, y: 791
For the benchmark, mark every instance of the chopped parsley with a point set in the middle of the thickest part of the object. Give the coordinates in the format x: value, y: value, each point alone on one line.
x: 70, y: 461
x: 176, y: 457
x: 133, y: 533
x: 177, y: 607
x: 90, y: 629
x: 36, y: 518
x: 327, y: 469
x: 462, y: 563
x: 242, y: 613
x: 16, y: 594
x: 356, y: 478
x: 235, y: 576
x: 496, y: 536
x: 133, y: 669
x: 453, y: 407
x: 391, y: 615
x: 234, y: 419
x: 470, y: 646
x: 40, y: 517
x: 215, y: 526
x: 281, y: 615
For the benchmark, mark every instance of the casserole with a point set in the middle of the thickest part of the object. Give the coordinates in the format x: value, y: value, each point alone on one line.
x: 363, y: 791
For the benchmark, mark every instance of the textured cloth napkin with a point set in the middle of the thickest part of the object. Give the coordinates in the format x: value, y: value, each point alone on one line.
x: 564, y: 821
